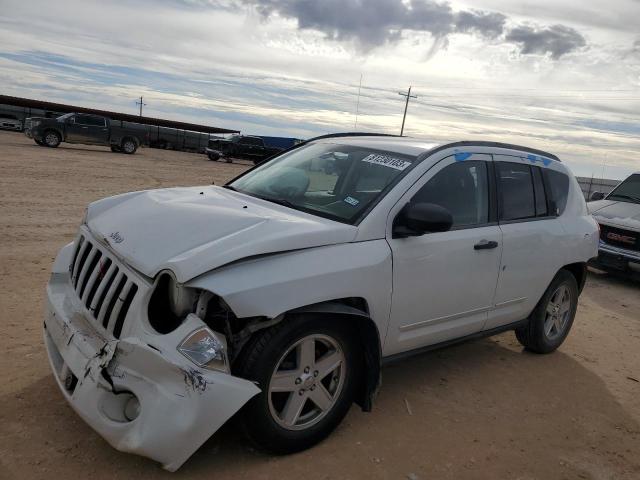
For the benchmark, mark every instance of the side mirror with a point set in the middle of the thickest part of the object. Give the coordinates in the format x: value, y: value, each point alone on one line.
x: 416, y: 219
x: 596, y: 196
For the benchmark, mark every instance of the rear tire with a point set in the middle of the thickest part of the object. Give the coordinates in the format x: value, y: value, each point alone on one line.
x: 307, y: 368
x: 551, y: 320
x: 214, y: 157
x: 52, y: 138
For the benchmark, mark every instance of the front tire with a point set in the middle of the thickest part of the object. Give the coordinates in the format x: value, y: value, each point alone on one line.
x: 39, y: 142
x: 213, y: 156
x: 129, y: 146
x: 307, y: 368
x: 116, y: 149
x: 52, y: 138
x: 551, y: 320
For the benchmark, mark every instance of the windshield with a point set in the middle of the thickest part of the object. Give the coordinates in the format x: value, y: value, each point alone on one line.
x: 627, y: 191
x: 334, y: 181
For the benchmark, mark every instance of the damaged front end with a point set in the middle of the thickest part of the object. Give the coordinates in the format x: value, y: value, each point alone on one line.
x: 160, y: 394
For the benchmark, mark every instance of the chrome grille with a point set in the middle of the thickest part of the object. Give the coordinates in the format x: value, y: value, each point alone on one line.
x: 620, y: 238
x: 102, y: 285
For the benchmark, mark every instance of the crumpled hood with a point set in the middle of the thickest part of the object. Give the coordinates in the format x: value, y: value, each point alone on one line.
x: 194, y: 230
x: 623, y: 214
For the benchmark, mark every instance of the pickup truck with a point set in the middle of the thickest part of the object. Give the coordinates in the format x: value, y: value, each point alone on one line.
x: 240, y: 146
x: 618, y: 215
x: 10, y: 122
x: 81, y: 128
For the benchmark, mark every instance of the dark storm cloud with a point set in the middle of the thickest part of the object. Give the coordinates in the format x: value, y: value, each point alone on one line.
x: 372, y: 23
x: 556, y: 40
x: 486, y: 24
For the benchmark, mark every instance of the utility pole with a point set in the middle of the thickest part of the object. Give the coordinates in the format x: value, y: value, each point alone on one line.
x: 141, y: 104
x: 355, y: 125
x: 406, y: 105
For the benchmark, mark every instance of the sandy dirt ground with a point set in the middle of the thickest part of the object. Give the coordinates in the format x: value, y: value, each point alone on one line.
x: 484, y: 409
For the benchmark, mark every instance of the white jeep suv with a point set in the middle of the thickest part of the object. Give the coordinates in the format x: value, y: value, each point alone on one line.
x: 285, y: 290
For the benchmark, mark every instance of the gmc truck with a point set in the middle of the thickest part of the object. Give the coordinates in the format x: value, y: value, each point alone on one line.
x: 81, y: 128
x: 618, y: 215
x: 240, y: 146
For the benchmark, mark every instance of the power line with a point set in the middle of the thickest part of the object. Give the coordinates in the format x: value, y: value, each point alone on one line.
x: 406, y: 105
x: 355, y: 125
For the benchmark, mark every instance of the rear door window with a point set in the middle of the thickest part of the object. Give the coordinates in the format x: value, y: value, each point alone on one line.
x: 517, y: 198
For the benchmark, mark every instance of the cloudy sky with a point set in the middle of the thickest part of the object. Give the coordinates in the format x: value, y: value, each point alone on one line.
x: 560, y: 75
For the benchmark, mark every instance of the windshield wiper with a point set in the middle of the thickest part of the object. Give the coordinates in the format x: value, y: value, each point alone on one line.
x: 627, y: 197
x: 279, y: 201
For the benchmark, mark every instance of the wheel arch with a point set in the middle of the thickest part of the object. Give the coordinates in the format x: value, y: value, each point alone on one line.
x: 355, y: 309
x: 579, y: 272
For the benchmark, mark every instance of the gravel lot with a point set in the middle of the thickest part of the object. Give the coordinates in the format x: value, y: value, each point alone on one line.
x: 484, y: 409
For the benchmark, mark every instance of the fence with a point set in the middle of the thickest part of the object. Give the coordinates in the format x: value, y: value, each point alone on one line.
x: 588, y: 185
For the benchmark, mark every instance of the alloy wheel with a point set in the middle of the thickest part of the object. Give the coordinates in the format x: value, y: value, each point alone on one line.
x: 557, y: 312
x: 306, y: 382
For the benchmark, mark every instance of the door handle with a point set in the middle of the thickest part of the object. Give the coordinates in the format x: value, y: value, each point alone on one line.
x: 485, y: 245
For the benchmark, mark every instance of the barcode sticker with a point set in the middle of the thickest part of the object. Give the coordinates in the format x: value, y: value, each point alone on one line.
x: 385, y: 161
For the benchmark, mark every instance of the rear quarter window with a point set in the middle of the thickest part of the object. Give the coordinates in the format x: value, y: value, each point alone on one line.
x: 558, y: 184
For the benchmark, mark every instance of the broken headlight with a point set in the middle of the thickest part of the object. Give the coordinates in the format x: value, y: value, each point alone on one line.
x: 206, y: 349
x: 170, y: 303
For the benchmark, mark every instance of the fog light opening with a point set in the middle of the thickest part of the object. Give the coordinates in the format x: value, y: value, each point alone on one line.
x: 132, y: 408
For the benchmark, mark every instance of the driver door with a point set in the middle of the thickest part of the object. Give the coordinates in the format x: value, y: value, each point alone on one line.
x: 444, y: 283
x: 76, y: 132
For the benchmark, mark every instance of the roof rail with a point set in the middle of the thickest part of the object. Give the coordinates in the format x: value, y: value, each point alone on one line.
x: 470, y: 143
x: 351, y: 134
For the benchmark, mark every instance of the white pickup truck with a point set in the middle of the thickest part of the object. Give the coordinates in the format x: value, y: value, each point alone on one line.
x: 618, y: 215
x: 281, y: 294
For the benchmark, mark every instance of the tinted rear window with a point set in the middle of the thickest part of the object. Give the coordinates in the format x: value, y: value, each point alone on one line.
x: 558, y: 189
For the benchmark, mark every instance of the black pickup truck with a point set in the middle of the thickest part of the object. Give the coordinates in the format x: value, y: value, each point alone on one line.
x: 240, y: 146
x: 81, y: 128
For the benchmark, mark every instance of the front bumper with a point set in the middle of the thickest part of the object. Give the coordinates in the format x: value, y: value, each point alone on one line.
x: 615, y: 258
x: 180, y: 405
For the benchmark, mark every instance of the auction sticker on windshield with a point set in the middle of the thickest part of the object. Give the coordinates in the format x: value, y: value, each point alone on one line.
x: 386, y: 161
